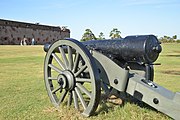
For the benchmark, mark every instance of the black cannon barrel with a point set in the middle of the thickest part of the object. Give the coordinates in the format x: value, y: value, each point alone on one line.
x: 143, y: 48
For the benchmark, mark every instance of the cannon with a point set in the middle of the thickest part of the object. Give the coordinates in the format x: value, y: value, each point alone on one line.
x: 77, y: 73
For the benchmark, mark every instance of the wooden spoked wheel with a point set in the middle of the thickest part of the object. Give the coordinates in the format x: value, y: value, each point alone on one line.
x: 71, y: 76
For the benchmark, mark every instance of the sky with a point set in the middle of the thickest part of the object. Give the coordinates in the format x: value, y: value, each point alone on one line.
x: 131, y: 17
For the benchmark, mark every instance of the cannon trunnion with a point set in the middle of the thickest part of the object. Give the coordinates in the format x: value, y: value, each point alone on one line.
x: 77, y: 72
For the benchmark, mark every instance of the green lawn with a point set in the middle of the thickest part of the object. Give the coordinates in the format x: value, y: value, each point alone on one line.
x: 23, y: 94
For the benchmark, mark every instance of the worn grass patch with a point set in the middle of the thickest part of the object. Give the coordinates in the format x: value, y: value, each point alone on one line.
x: 23, y: 94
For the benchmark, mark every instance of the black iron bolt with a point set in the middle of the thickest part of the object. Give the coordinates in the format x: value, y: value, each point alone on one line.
x: 156, y: 101
x: 116, y: 81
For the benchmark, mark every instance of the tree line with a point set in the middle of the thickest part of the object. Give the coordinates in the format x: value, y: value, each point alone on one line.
x: 115, y: 34
x: 168, y: 39
x: 89, y: 35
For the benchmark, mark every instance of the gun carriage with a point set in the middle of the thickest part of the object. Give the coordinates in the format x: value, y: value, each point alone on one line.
x: 76, y: 73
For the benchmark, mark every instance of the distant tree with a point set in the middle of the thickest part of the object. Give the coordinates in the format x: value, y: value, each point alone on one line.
x: 167, y: 37
x: 88, y: 35
x: 115, y: 33
x: 101, y: 36
x: 174, y: 37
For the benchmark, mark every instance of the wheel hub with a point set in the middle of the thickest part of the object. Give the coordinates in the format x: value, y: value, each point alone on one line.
x: 66, y: 80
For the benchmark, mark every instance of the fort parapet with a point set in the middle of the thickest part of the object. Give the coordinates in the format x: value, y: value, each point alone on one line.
x: 13, y: 32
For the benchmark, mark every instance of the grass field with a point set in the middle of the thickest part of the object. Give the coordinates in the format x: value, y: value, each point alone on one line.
x: 23, y: 94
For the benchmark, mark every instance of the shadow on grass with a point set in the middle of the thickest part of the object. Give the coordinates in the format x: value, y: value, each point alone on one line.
x: 173, y: 72
x: 172, y: 55
x: 106, y: 106
x: 135, y: 101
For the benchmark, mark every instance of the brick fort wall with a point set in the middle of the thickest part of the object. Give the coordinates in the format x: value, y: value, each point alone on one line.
x: 13, y: 32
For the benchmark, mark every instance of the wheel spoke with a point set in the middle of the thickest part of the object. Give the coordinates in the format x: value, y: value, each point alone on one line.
x: 52, y: 78
x: 76, y: 62
x: 55, y: 90
x: 69, y: 99
x: 64, y: 57
x: 59, y: 61
x: 83, y: 89
x: 80, y: 98
x: 55, y: 68
x: 80, y: 71
x: 62, y: 97
x: 70, y: 57
x: 79, y: 80
x: 75, y: 99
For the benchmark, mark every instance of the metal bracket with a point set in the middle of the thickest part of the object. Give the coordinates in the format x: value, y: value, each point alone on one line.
x: 110, y: 72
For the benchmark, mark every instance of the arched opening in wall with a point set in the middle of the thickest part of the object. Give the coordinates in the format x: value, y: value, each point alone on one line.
x: 18, y: 38
x: 6, y: 38
x: 38, y: 39
x: 6, y: 41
